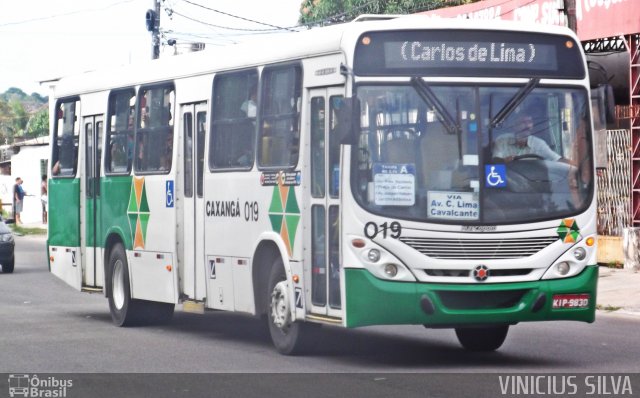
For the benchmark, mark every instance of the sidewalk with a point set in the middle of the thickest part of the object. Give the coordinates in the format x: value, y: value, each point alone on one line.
x: 619, y: 290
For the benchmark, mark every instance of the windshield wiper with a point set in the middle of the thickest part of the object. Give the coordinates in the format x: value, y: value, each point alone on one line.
x: 428, y: 96
x: 514, y: 102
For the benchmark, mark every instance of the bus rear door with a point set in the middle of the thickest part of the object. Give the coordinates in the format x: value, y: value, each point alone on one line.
x: 93, y: 127
x: 194, y: 118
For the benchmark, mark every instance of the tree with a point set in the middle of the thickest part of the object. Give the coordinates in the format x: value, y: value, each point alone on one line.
x: 38, y: 125
x: 327, y: 12
x: 39, y: 98
x: 6, y: 118
x: 22, y: 115
x: 20, y: 118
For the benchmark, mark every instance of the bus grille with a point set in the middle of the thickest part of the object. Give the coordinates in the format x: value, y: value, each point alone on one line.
x: 479, y: 249
x: 481, y: 300
x: 465, y: 272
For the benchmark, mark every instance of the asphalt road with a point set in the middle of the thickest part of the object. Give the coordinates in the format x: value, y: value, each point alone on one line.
x: 47, y: 327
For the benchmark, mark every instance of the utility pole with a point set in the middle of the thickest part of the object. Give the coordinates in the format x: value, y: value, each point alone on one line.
x: 152, y: 18
x: 570, y: 12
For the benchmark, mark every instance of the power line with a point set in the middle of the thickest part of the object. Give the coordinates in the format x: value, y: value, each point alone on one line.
x: 220, y: 26
x: 235, y: 16
x: 49, y: 17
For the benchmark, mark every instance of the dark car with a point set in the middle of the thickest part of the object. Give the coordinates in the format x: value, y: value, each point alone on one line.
x: 7, y: 244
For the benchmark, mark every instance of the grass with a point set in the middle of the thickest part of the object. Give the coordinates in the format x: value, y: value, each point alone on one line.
x: 615, y: 264
x: 608, y: 308
x: 21, y: 231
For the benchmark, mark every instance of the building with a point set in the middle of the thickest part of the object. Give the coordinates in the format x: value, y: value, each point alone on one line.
x: 28, y: 160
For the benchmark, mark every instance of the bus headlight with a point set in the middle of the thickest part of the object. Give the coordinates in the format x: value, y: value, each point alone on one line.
x: 374, y: 255
x: 563, y: 268
x: 391, y: 270
x: 378, y: 260
x: 580, y: 253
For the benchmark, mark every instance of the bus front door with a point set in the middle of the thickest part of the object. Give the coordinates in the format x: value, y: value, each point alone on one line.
x: 193, y: 129
x: 93, y: 127
x: 322, y: 262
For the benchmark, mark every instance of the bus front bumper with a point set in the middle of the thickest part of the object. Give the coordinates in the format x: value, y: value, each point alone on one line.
x: 372, y: 301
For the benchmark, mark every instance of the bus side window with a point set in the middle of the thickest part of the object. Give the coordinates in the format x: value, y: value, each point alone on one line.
x: 280, y: 128
x: 154, y: 130
x: 119, y: 156
x: 67, y: 130
x: 234, y: 120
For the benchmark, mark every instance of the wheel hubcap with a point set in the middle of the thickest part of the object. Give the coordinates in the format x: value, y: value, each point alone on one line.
x: 280, y: 311
x: 118, y: 284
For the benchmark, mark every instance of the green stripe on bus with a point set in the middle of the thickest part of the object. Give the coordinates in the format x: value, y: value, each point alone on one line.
x: 64, y: 212
x: 114, y: 198
x: 372, y: 301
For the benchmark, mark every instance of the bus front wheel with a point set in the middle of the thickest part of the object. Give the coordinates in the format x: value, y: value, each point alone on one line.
x: 287, y: 336
x: 488, y: 338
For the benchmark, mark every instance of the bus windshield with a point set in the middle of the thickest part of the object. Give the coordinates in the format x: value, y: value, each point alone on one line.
x: 473, y: 154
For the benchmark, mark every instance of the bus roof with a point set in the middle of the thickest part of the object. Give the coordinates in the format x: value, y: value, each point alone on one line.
x: 276, y: 48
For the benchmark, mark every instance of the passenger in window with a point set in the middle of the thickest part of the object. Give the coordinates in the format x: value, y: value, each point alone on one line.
x: 129, y: 150
x: 55, y: 170
x: 167, y: 155
x: 144, y: 117
x: 140, y: 153
x: 246, y: 157
x: 249, y: 107
x: 523, y: 142
x: 167, y: 117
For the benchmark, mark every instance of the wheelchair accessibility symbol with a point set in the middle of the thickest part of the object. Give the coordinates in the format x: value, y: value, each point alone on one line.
x: 495, y: 175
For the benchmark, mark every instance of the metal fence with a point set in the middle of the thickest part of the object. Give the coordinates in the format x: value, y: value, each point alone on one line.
x: 614, y: 185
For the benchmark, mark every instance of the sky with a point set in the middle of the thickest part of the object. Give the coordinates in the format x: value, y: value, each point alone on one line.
x: 47, y: 39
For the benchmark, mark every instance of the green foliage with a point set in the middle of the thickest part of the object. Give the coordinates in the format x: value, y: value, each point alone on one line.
x: 22, y: 115
x: 327, y: 12
x: 38, y: 125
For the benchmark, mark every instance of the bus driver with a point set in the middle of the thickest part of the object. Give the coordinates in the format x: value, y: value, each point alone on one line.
x: 522, y: 142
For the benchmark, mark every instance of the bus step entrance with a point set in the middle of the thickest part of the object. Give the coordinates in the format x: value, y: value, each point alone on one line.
x: 193, y: 307
x: 91, y: 289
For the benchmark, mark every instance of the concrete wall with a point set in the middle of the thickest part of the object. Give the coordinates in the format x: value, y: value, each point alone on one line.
x: 28, y: 165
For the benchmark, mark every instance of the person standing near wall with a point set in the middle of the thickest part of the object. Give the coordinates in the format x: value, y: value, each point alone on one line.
x: 18, y: 198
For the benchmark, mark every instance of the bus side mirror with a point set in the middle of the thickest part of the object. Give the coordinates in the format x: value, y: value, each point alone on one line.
x: 609, y: 105
x: 348, y: 120
x: 603, y: 107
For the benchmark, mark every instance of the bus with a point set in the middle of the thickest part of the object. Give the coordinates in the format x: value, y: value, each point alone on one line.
x: 349, y: 175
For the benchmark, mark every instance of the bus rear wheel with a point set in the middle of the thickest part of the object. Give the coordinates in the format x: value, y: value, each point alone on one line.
x: 126, y: 311
x: 488, y: 338
x: 287, y: 336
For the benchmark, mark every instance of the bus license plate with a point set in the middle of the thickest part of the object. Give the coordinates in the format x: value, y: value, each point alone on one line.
x: 571, y: 300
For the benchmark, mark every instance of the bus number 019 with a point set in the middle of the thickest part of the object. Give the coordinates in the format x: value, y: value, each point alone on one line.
x: 371, y: 230
x: 251, y: 211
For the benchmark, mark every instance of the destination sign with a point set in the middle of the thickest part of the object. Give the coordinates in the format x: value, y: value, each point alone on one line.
x: 452, y: 53
x: 411, y: 54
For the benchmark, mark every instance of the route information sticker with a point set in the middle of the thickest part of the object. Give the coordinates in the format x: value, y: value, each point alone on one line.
x: 453, y: 205
x: 394, y: 184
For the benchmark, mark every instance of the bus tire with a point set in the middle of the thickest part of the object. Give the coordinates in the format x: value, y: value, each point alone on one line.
x: 125, y: 311
x: 287, y: 336
x: 488, y: 338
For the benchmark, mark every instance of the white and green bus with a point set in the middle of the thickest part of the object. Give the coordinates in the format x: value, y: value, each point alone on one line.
x: 350, y: 175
